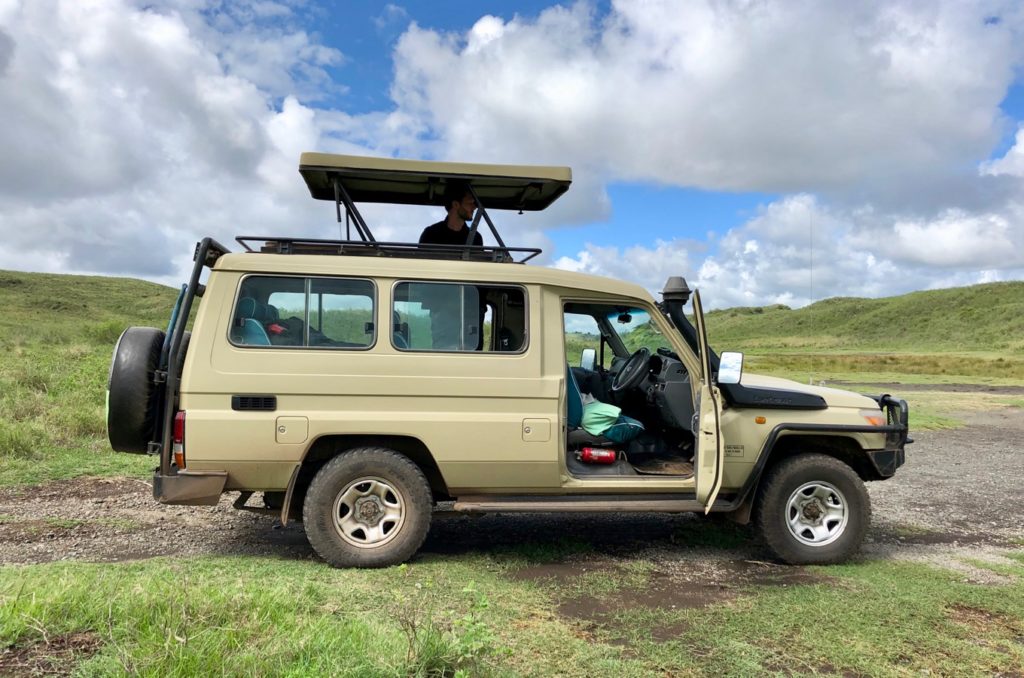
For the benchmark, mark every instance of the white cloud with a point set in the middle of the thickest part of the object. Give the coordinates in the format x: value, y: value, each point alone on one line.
x: 649, y: 267
x: 962, y: 240
x: 132, y: 128
x: 391, y: 16
x: 128, y: 135
x: 1012, y: 163
x: 798, y: 96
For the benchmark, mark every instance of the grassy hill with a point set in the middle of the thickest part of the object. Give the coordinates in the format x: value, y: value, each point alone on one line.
x: 57, y: 333
x: 960, y: 334
x: 984, y: 318
x: 60, y: 309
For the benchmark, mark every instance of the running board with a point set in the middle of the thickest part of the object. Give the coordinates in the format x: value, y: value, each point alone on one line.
x: 585, y: 503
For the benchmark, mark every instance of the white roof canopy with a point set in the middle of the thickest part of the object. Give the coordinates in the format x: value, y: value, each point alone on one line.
x: 420, y: 182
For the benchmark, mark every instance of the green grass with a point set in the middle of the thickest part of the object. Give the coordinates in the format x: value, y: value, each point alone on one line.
x: 52, y: 414
x: 57, y: 334
x: 261, y: 616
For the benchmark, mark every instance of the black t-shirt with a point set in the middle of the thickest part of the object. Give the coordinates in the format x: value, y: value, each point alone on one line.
x: 440, y: 234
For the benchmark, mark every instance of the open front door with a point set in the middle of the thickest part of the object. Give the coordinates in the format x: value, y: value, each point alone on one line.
x: 710, y: 450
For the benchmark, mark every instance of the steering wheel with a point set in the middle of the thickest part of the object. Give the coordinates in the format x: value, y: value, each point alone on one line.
x: 632, y: 373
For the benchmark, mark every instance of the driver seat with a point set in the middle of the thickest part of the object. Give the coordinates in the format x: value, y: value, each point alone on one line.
x: 578, y: 436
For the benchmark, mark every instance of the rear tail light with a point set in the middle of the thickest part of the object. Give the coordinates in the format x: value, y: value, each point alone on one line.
x: 598, y: 455
x: 178, y: 439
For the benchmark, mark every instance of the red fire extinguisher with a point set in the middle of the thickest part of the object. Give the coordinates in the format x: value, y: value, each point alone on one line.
x: 598, y: 455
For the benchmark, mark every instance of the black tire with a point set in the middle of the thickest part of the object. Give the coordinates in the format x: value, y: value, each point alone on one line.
x: 131, y: 393
x: 812, y: 510
x: 387, y: 503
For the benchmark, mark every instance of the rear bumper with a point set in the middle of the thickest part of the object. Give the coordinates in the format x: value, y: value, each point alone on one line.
x: 189, y: 489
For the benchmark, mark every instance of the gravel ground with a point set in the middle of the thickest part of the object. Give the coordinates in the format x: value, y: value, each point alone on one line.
x: 959, y: 496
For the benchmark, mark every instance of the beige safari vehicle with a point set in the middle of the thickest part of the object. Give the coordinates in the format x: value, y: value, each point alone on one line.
x: 359, y: 385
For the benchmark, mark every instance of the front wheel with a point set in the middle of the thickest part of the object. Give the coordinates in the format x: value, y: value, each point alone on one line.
x: 367, y: 507
x: 813, y: 510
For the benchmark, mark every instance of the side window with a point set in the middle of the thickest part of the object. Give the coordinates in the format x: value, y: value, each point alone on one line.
x: 304, y: 312
x: 429, y: 316
x: 582, y: 332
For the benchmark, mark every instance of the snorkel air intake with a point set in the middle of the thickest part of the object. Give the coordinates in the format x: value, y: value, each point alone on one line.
x: 675, y: 295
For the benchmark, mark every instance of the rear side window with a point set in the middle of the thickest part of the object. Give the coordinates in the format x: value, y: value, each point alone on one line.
x: 431, y: 316
x: 302, y: 312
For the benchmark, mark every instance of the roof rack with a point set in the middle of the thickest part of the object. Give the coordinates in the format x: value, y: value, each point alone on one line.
x: 373, y: 248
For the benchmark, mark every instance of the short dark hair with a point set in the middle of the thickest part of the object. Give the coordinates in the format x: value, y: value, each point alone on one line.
x: 455, y: 191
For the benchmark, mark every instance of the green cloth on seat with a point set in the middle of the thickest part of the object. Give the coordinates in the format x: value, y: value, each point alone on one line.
x: 598, y: 417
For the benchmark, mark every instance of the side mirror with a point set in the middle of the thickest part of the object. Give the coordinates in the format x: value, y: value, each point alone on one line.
x: 730, y: 368
x: 588, y: 359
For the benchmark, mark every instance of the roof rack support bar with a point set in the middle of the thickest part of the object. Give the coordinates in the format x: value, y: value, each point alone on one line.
x: 525, y: 192
x: 482, y: 211
x: 337, y: 200
x: 361, y: 228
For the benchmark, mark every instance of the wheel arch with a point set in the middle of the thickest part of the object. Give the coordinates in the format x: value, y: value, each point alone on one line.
x: 841, y: 447
x: 784, y: 444
x: 326, y: 447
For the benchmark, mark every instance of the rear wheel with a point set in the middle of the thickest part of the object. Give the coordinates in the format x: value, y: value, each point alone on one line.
x: 367, y: 507
x: 813, y: 509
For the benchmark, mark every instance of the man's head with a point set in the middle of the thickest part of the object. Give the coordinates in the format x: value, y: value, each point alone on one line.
x: 458, y: 200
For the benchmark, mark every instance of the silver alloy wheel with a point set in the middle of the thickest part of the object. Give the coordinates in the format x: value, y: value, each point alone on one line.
x: 369, y: 512
x: 817, y: 513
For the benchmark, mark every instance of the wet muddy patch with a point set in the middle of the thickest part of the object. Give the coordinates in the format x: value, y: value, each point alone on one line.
x: 656, y: 595
x: 53, y: 656
x: 79, y: 488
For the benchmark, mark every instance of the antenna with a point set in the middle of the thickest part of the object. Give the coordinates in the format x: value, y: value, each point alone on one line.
x: 810, y: 231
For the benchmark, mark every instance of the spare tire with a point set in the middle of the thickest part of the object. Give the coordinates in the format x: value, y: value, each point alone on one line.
x: 131, y: 394
x: 182, y: 350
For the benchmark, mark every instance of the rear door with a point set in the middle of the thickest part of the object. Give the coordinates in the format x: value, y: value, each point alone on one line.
x: 710, y: 450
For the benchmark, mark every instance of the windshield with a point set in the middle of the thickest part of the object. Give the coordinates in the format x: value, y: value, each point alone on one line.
x: 635, y: 329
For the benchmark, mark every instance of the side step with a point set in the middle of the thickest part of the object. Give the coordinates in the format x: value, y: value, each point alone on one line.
x: 581, y: 503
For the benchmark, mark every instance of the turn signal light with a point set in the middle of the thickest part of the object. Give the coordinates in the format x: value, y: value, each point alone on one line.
x: 873, y: 417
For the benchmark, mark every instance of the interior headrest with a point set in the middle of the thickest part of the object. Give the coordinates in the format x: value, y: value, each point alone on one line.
x: 246, y: 307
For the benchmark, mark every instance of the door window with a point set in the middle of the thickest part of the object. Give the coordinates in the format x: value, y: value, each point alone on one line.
x: 430, y: 316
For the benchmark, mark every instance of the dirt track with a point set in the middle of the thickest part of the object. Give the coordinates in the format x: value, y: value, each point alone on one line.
x: 959, y: 495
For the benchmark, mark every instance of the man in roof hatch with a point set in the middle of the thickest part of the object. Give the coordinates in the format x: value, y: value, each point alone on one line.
x: 453, y: 230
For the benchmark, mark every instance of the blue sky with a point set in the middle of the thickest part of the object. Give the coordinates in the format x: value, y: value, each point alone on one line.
x: 713, y: 139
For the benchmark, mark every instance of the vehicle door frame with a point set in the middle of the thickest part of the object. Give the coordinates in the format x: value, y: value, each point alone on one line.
x: 709, y: 456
